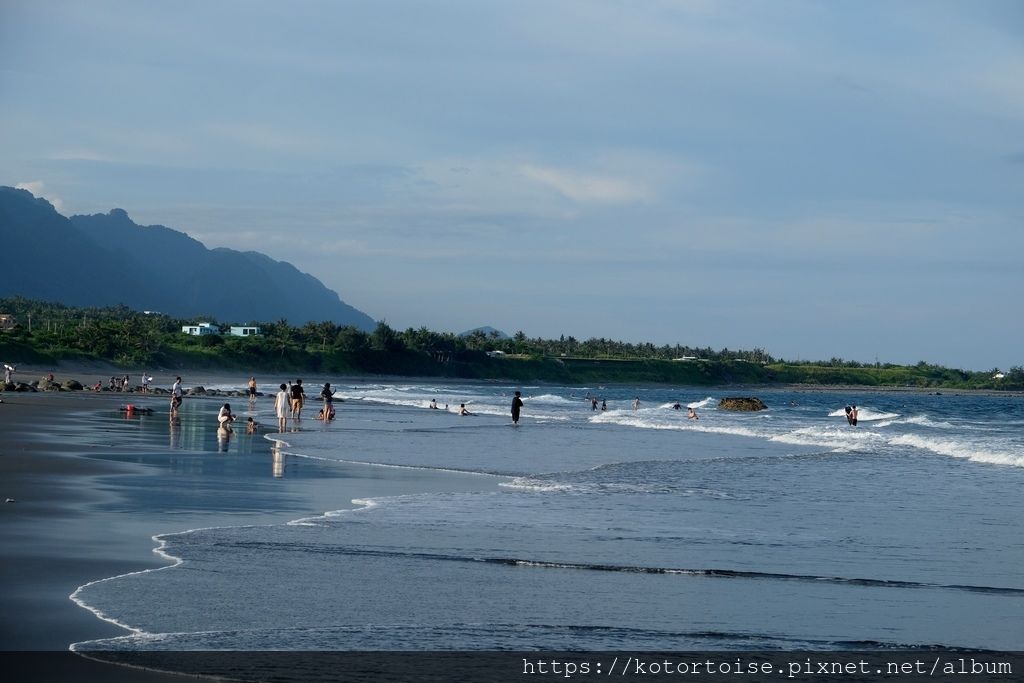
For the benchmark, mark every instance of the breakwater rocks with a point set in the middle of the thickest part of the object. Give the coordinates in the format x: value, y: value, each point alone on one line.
x: 741, y: 403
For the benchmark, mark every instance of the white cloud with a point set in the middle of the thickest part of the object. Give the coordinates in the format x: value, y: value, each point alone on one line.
x: 38, y: 188
x: 586, y: 188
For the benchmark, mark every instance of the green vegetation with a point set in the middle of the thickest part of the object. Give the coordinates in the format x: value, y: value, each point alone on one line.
x: 48, y: 333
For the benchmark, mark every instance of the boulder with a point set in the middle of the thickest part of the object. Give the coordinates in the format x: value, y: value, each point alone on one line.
x: 742, y: 403
x: 73, y: 385
x: 197, y: 391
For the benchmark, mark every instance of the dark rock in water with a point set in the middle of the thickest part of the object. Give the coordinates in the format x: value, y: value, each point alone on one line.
x: 73, y: 385
x: 21, y: 386
x: 742, y: 403
x: 197, y: 391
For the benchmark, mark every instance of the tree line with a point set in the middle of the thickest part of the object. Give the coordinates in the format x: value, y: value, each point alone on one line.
x: 48, y: 331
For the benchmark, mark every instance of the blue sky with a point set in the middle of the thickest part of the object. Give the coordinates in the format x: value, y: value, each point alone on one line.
x: 817, y: 179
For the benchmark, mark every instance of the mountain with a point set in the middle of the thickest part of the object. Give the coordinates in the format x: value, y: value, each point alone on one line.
x: 107, y: 259
x: 487, y: 330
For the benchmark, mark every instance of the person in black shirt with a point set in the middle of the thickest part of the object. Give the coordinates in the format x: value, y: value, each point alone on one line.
x: 517, y: 403
x: 298, y: 398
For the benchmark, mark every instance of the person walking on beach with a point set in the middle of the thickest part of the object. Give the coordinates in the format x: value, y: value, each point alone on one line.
x: 517, y: 404
x: 176, y: 395
x: 298, y: 394
x: 252, y: 390
x: 145, y: 383
x: 281, y: 407
x: 8, y: 371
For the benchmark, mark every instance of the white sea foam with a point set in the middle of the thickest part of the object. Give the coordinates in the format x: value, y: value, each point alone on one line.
x: 709, y: 401
x: 836, y: 438
x: 958, y: 449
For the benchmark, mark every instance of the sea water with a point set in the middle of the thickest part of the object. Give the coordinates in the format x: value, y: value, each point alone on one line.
x: 786, y: 528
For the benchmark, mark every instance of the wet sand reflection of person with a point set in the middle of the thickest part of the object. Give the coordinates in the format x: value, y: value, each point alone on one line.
x: 175, y: 426
x: 277, y: 460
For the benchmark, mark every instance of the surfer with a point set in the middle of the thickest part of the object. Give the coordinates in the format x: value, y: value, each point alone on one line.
x: 853, y: 415
x: 463, y: 411
x: 604, y: 404
x: 636, y: 403
x: 849, y: 415
x: 433, y: 404
x: 593, y: 403
x: 691, y: 414
x: 517, y: 404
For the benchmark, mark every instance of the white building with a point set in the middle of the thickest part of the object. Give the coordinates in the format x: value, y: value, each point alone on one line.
x: 244, y: 331
x: 200, y: 329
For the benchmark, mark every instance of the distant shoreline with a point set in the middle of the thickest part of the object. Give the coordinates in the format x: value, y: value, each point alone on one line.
x: 88, y: 373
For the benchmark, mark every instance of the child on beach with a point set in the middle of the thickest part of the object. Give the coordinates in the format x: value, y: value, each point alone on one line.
x: 251, y: 426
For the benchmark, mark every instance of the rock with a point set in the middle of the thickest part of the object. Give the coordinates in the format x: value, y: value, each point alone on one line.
x: 742, y: 403
x: 21, y: 386
x: 73, y: 385
x: 197, y: 391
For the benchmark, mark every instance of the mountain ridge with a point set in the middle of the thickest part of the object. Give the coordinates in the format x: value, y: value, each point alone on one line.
x: 108, y: 259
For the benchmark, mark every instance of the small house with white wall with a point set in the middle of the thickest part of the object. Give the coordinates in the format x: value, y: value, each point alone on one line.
x: 244, y: 331
x: 200, y: 329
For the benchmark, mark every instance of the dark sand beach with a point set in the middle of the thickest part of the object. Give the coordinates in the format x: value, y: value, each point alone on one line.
x: 87, y: 488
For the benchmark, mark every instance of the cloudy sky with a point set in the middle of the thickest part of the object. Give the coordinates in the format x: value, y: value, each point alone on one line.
x: 818, y: 179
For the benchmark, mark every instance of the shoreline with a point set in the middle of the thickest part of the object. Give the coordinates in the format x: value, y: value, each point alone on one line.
x: 97, y: 371
x: 80, y: 511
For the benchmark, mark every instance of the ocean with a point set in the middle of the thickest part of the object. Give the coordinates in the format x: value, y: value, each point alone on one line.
x: 783, y: 529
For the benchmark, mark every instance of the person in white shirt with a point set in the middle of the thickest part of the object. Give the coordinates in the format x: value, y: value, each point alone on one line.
x: 283, y: 406
x: 176, y: 394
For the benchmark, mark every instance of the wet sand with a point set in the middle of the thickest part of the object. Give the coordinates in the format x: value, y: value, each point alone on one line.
x: 89, y: 488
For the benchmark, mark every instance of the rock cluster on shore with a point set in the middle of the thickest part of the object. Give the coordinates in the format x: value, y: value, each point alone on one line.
x: 742, y: 403
x: 75, y: 385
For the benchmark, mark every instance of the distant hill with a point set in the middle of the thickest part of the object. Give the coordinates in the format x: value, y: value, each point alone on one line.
x: 107, y: 259
x: 487, y: 330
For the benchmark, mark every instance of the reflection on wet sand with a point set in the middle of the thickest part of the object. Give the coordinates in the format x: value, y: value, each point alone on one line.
x: 277, y: 466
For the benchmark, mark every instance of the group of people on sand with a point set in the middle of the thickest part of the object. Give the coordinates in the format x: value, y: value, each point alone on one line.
x: 290, y: 400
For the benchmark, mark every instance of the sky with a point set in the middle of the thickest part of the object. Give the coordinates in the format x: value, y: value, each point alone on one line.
x: 816, y: 179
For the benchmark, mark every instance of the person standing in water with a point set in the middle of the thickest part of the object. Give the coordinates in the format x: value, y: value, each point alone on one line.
x: 327, y: 394
x: 298, y: 398
x: 853, y: 415
x: 252, y: 390
x: 517, y: 404
x: 176, y: 394
x: 282, y: 405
